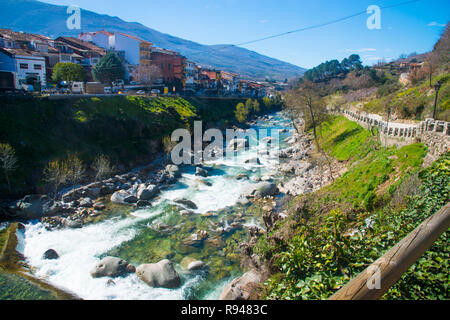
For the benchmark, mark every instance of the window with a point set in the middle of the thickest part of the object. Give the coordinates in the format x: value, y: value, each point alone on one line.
x: 37, y: 67
x: 24, y: 66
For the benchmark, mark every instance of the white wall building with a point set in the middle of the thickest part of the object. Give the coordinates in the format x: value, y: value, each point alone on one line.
x: 190, y: 73
x: 30, y: 67
x: 99, y: 38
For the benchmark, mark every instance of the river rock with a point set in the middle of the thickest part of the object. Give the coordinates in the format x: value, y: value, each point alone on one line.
x: 147, y: 193
x: 86, y: 203
x: 196, y: 265
x: 242, y: 287
x: 72, y: 223
x: 111, y: 267
x: 159, y: 275
x: 123, y: 197
x: 99, y: 206
x: 36, y: 207
x: 143, y: 204
x: 188, y: 203
x: 50, y: 254
x: 261, y: 189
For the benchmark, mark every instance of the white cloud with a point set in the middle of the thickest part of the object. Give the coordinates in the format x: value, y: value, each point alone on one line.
x: 436, y: 24
x: 263, y: 21
x: 361, y: 50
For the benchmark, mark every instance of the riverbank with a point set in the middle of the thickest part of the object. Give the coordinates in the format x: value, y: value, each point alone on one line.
x: 330, y: 235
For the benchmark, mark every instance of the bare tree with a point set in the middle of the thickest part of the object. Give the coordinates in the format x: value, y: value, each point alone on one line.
x: 8, y: 161
x: 102, y: 167
x: 306, y: 101
x: 430, y: 65
x: 147, y: 75
x: 63, y: 171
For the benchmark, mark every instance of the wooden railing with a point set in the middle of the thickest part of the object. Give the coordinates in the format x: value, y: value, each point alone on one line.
x: 376, y: 280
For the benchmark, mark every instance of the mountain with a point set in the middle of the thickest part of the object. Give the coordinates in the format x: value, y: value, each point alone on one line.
x: 37, y: 17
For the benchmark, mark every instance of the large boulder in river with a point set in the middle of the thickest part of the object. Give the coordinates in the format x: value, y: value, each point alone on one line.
x: 36, y: 207
x: 124, y: 197
x: 187, y: 203
x: 159, y: 275
x: 147, y: 193
x: 261, y: 189
x: 50, y: 254
x: 111, y: 267
x: 242, y: 288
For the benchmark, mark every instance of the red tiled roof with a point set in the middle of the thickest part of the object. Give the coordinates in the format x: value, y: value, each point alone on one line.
x: 133, y: 37
x: 81, y: 45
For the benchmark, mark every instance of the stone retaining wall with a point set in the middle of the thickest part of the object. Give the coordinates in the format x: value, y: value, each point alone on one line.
x: 435, y: 134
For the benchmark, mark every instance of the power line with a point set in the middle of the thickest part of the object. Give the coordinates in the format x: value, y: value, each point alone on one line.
x: 307, y: 28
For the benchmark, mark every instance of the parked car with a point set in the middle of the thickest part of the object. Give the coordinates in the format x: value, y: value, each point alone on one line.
x: 156, y: 91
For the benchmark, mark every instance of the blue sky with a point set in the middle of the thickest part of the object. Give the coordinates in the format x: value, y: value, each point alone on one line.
x: 411, y: 28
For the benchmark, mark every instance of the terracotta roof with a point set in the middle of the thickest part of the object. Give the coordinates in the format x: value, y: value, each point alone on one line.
x: 133, y: 37
x: 20, y: 52
x: 95, y: 32
x: 23, y: 36
x: 81, y: 45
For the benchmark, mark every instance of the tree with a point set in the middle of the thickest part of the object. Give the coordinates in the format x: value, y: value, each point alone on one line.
x: 62, y: 171
x: 241, y: 113
x: 8, y: 161
x: 430, y: 65
x: 68, y: 72
x: 102, y: 167
x: 306, y: 102
x: 109, y: 69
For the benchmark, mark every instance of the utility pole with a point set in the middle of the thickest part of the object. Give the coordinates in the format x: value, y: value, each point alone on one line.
x: 437, y: 86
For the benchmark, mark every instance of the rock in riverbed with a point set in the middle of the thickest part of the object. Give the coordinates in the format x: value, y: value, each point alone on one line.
x: 124, y: 197
x: 50, y: 254
x: 111, y: 267
x: 188, y: 203
x: 241, y: 288
x: 147, y: 193
x: 261, y: 189
x: 159, y: 275
x: 36, y: 207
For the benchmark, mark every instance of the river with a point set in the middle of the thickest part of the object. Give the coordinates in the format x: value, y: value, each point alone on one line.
x: 150, y: 235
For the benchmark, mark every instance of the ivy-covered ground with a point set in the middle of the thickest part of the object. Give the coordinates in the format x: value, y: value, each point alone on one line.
x: 335, y: 233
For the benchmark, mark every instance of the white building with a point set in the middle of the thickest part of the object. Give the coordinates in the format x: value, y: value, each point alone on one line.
x: 99, y: 38
x: 29, y: 68
x: 190, y: 74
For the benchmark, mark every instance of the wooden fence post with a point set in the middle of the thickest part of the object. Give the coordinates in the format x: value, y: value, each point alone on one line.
x: 388, y: 269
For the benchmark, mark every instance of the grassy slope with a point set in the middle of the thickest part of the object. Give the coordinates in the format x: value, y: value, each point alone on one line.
x: 318, y: 253
x: 415, y: 102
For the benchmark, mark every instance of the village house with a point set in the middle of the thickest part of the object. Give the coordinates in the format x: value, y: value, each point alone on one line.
x: 171, y: 64
x: 24, y: 68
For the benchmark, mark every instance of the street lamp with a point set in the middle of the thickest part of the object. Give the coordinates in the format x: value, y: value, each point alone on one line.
x: 437, y: 86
